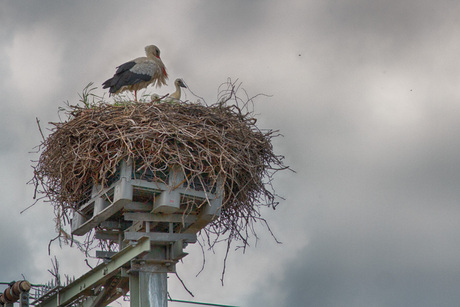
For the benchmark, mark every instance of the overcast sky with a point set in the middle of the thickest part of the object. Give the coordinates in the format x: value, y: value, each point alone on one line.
x: 366, y: 94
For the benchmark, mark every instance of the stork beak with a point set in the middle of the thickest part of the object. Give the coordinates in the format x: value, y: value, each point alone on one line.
x: 182, y: 84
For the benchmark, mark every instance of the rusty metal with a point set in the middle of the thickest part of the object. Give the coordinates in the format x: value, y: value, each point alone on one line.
x: 13, y: 292
x: 24, y: 286
x: 9, y: 296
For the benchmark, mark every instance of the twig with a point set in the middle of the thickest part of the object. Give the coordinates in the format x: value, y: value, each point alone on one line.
x: 183, y: 284
x: 40, y: 128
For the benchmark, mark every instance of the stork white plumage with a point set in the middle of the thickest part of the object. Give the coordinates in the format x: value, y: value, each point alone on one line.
x: 178, y: 83
x: 138, y: 73
x: 175, y: 97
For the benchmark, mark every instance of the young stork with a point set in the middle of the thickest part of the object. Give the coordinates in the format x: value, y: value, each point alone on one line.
x: 174, y: 97
x: 138, y: 73
x: 178, y: 83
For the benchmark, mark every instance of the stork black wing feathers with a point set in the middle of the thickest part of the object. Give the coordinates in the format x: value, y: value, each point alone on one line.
x: 124, y: 76
x: 124, y: 67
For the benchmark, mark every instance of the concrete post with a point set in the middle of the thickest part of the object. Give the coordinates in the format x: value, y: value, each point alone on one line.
x: 149, y: 286
x: 24, y: 299
x: 153, y: 289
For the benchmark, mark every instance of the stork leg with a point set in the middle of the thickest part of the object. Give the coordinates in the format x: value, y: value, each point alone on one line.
x: 135, y: 96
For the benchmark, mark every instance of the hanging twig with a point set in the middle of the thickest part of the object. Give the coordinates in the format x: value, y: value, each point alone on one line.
x: 183, y: 284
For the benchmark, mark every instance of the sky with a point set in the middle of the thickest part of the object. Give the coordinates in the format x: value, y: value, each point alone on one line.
x: 365, y: 93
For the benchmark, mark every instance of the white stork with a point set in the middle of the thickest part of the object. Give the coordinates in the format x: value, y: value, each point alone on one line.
x: 174, y: 97
x: 178, y: 83
x: 138, y: 73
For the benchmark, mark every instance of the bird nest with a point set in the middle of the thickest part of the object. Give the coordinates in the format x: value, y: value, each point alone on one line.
x: 220, y: 140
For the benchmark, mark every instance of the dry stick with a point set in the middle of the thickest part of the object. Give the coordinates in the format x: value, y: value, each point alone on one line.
x: 204, y: 258
x: 40, y: 128
x: 183, y: 284
x: 30, y: 206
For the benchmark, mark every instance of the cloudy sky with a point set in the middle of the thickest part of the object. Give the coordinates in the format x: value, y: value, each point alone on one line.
x: 366, y: 94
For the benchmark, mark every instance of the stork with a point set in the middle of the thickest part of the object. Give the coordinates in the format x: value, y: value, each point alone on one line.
x: 138, y: 73
x: 174, y: 97
x: 178, y: 83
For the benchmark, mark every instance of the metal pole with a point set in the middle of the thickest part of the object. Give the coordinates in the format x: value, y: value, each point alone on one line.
x: 134, y: 290
x: 153, y: 286
x: 24, y: 299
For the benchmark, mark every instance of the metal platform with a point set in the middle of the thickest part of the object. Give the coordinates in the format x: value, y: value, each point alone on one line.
x: 133, y: 198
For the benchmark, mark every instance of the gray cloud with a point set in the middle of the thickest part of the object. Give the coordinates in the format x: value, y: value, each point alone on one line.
x: 329, y: 280
x: 365, y: 93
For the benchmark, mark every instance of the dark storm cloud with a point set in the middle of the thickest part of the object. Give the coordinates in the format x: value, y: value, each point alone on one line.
x: 393, y: 23
x: 384, y: 19
x: 23, y: 24
x: 328, y: 279
x: 381, y: 256
x: 16, y: 255
x: 383, y: 191
x: 227, y: 22
x: 26, y: 13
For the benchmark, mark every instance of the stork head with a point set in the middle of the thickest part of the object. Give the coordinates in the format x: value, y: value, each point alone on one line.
x: 152, y: 50
x: 180, y: 83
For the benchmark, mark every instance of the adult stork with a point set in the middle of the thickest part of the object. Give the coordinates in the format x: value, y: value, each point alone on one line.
x: 138, y: 73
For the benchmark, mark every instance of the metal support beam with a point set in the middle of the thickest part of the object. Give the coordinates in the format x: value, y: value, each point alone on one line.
x: 160, y: 237
x: 142, y: 216
x: 134, y: 293
x: 97, y: 275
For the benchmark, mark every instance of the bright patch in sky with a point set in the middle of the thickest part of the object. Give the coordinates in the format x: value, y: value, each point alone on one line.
x: 395, y: 101
x: 34, y: 58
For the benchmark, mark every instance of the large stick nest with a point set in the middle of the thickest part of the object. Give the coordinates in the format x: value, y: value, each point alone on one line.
x: 221, y: 141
